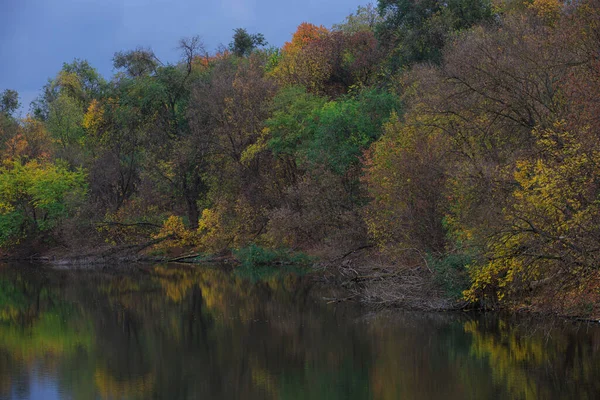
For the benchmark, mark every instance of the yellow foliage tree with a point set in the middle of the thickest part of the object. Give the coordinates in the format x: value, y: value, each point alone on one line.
x: 406, y: 179
x: 553, y: 221
x: 93, y: 118
x: 176, y: 233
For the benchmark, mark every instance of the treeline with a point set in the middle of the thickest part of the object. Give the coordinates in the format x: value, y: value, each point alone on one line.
x: 459, y: 138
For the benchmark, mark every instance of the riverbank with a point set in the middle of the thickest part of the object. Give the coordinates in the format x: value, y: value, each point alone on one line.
x: 362, y: 275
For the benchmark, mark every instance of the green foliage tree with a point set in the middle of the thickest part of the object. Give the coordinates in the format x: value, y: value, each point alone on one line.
x: 9, y: 102
x: 244, y: 43
x: 9, y: 126
x: 291, y: 121
x: 366, y: 18
x: 319, y: 143
x: 64, y: 122
x: 418, y: 30
x: 78, y: 80
x: 35, y: 197
x: 346, y: 127
x: 136, y: 63
x: 332, y: 134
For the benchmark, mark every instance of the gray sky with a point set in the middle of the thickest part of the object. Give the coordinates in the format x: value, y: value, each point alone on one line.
x: 37, y: 36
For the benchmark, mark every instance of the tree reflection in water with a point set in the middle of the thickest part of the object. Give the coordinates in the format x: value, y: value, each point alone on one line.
x: 168, y: 332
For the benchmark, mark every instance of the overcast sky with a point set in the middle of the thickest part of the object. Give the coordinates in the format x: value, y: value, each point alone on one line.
x: 37, y: 36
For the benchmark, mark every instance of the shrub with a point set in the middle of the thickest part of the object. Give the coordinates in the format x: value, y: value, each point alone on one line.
x: 451, y: 273
x: 254, y: 256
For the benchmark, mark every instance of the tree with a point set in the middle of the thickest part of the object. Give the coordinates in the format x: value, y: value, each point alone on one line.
x: 136, y: 63
x: 244, y: 43
x: 344, y: 128
x: 35, y: 197
x: 65, y: 118
x: 297, y: 68
x: 418, y: 30
x: 318, y: 143
x: 366, y: 18
x: 115, y: 129
x: 330, y: 63
x: 551, y: 227
x: 9, y: 125
x: 9, y: 102
x: 548, y: 234
x: 406, y: 174
x: 90, y: 84
x: 495, y: 86
x: 77, y: 80
x: 191, y: 48
x: 31, y: 141
x: 226, y: 115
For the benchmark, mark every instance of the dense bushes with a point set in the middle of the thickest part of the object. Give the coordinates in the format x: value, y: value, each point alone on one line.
x: 462, y: 135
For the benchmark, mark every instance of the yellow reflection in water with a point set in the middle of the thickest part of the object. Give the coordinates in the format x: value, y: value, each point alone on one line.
x: 134, y: 388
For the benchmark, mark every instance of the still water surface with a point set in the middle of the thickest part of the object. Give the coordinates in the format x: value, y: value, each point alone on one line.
x: 166, y: 332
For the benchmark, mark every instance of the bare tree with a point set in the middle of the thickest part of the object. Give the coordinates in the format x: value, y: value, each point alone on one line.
x: 191, y: 47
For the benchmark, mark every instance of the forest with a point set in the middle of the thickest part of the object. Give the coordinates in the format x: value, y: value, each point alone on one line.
x: 436, y: 154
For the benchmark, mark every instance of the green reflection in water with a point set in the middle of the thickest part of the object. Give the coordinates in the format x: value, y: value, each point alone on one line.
x: 168, y: 332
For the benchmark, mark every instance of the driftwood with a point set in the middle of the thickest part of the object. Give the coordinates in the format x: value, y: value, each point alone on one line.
x: 191, y: 257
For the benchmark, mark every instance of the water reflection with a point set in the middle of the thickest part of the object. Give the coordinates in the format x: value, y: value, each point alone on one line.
x: 198, y: 332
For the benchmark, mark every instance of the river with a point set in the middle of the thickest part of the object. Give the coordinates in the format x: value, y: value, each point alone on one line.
x: 202, y: 332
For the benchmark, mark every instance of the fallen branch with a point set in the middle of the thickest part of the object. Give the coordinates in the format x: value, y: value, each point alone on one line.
x: 128, y: 253
x: 330, y: 300
x: 207, y: 259
x: 110, y: 223
x: 373, y: 277
x: 176, y: 259
x: 368, y: 246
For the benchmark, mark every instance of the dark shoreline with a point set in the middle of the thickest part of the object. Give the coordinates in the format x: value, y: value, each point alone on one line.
x: 322, y: 277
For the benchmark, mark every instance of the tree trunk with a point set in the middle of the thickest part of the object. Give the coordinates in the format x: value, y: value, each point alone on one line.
x: 192, y: 212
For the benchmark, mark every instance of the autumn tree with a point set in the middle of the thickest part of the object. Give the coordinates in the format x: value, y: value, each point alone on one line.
x: 114, y: 134
x: 320, y: 143
x: 32, y: 141
x: 25, y: 139
x: 175, y: 159
x: 295, y: 68
x: 406, y: 174
x: 327, y: 62
x: 62, y: 105
x: 548, y: 236
x: 489, y: 160
x: 226, y: 117
x: 77, y: 80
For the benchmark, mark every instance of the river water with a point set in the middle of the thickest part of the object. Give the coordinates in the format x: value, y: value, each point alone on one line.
x: 168, y: 332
